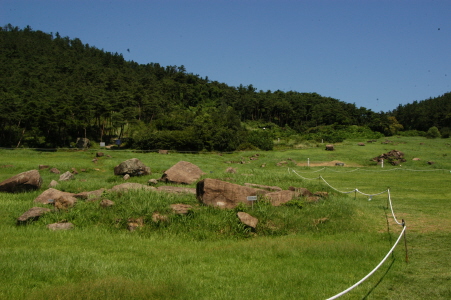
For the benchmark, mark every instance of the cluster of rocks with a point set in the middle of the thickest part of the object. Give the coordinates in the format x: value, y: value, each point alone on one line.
x: 211, y: 192
x: 393, y: 157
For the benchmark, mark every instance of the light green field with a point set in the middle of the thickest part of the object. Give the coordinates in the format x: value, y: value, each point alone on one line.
x: 209, y: 255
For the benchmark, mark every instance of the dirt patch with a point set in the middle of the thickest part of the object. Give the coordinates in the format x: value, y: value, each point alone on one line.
x: 327, y: 164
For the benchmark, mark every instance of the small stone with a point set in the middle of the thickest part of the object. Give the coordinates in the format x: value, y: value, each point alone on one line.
x: 60, y: 226
x: 106, y: 203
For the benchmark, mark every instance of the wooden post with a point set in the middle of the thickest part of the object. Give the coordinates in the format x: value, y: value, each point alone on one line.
x: 405, y: 241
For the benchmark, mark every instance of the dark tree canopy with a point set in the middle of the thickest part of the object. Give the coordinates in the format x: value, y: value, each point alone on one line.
x: 55, y: 89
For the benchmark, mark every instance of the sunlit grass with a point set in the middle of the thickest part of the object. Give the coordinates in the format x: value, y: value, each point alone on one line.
x: 208, y: 254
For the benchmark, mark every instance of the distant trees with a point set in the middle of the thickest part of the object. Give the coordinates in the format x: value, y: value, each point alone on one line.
x: 54, y: 89
x: 422, y: 115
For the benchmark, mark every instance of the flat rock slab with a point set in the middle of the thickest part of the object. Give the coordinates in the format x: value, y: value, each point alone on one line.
x: 181, y: 209
x: 32, y: 214
x: 247, y: 219
x: 90, y: 194
x: 264, y: 187
x: 22, y: 182
x: 176, y: 189
x: 224, y: 194
x: 182, y: 172
x: 131, y: 186
x: 60, y: 226
x: 50, y: 195
x: 280, y: 197
x: 66, y: 176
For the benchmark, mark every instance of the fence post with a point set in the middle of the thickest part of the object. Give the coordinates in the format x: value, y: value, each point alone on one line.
x: 405, y: 241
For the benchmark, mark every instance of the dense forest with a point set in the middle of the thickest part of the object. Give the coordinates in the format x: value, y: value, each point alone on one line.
x: 54, y: 89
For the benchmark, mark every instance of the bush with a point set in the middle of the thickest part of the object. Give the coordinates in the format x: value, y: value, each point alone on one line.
x: 433, y: 133
x: 262, y: 139
x: 412, y: 133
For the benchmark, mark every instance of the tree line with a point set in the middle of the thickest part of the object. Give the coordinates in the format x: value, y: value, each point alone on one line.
x: 54, y: 89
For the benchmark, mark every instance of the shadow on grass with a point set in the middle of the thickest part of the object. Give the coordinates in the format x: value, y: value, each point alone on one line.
x: 379, y: 281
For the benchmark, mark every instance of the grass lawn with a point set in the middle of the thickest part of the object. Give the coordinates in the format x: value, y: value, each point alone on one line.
x: 209, y: 255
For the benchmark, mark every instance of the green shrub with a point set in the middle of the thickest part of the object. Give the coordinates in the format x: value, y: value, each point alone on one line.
x: 433, y: 133
x: 412, y: 133
x: 262, y: 139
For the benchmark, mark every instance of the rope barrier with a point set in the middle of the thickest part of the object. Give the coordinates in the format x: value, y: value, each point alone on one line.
x: 354, y: 190
x: 391, y: 208
x: 377, y: 171
x: 394, y: 217
x: 374, y: 270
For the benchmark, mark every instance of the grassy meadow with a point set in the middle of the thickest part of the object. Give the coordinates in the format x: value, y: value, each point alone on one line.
x: 208, y: 254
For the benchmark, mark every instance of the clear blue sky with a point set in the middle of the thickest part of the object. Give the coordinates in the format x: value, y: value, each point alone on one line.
x: 376, y: 54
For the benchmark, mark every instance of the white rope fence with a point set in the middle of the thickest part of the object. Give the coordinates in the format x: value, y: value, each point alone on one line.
x: 370, y: 197
x: 374, y: 270
x: 373, y: 170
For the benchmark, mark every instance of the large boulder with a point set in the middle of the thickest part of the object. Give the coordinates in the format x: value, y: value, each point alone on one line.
x: 222, y: 194
x: 50, y: 195
x: 26, y: 181
x: 182, y: 172
x: 132, y: 167
x: 82, y: 143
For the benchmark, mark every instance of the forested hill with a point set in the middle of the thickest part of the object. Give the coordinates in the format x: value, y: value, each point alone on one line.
x: 54, y: 89
x: 422, y: 115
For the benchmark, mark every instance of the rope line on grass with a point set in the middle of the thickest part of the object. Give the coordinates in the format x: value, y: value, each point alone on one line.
x: 377, y: 171
x: 374, y: 270
x: 348, y: 192
x: 394, y: 217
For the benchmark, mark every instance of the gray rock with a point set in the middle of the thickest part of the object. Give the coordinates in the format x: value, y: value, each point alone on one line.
x: 82, y: 143
x: 66, y: 176
x: 132, y: 167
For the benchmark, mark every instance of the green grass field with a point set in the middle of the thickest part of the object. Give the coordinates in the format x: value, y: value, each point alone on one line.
x: 209, y: 255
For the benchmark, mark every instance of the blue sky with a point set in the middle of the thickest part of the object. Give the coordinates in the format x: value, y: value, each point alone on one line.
x: 376, y: 54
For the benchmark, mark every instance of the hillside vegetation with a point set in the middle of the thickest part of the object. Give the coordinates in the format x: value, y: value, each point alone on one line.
x: 55, y: 89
